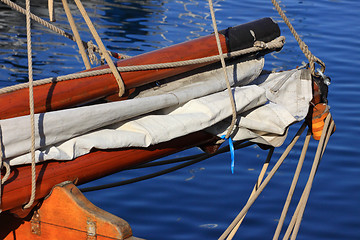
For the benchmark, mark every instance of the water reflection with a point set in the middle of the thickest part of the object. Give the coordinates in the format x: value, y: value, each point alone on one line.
x: 129, y: 27
x: 169, y: 207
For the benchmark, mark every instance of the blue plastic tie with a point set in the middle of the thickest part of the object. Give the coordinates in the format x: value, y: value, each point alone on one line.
x: 232, y: 152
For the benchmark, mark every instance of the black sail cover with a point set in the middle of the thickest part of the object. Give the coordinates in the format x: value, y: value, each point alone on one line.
x: 244, y: 36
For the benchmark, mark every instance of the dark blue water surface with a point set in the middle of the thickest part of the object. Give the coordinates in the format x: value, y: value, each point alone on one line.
x: 200, y: 201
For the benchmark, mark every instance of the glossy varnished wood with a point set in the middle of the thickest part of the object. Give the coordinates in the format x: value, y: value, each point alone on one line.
x: 68, y: 214
x: 65, y: 94
x: 97, y: 164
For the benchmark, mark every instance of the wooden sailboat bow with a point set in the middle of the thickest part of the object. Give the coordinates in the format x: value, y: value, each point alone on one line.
x: 271, y: 101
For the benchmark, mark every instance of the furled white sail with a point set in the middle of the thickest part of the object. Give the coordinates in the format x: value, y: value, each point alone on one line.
x: 266, y: 106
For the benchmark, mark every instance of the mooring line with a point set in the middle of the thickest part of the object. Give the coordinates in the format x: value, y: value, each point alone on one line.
x: 293, y: 185
x: 264, y: 184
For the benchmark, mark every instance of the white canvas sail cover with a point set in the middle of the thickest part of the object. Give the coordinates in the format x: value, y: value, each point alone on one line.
x: 266, y: 106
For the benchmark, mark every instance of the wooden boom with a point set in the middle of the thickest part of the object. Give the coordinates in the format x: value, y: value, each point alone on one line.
x: 60, y: 95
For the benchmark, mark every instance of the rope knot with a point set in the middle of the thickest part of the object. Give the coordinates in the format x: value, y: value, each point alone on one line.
x: 260, y: 44
x: 92, y: 56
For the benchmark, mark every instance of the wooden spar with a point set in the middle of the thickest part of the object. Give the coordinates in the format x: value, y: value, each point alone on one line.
x: 60, y: 95
x: 97, y: 164
x: 65, y: 94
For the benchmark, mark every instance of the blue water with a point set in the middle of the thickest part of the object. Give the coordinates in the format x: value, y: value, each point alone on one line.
x: 200, y: 201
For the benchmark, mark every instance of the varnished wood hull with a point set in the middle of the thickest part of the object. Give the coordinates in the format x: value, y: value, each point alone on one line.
x: 97, y: 164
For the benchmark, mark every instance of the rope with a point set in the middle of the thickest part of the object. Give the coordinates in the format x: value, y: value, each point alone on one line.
x: 76, y: 34
x: 92, y: 56
x: 263, y: 185
x: 1, y: 179
x: 305, y: 196
x: 102, y: 48
x: 293, y: 185
x: 51, y: 10
x: 304, y: 48
x: 190, y: 161
x: 274, y: 44
x: 56, y: 29
x: 7, y: 174
x: 31, y: 106
x: 294, y: 225
x: 37, y: 19
x: 256, y: 187
x: 7, y: 167
x: 231, y: 96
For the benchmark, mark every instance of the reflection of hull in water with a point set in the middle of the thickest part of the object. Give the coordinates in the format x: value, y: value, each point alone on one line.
x: 100, y: 163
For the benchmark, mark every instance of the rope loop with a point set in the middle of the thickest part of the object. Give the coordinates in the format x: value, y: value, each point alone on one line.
x: 321, y: 63
x: 7, y: 173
